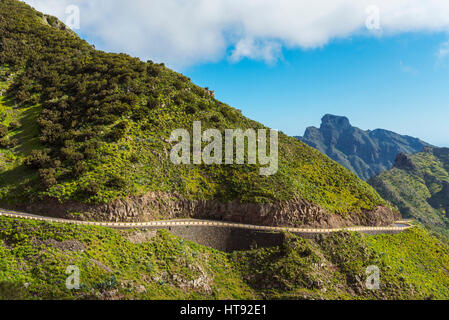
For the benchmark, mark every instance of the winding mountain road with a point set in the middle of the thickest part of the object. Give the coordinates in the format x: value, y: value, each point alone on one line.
x: 396, y: 227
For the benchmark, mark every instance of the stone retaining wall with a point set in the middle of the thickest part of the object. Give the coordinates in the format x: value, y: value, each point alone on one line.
x: 231, y: 239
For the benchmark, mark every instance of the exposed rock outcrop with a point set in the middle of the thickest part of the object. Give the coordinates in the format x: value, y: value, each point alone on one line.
x: 158, y: 205
x: 404, y: 162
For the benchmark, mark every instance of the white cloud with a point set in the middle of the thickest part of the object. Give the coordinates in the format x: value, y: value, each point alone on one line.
x: 185, y: 32
x: 268, y: 51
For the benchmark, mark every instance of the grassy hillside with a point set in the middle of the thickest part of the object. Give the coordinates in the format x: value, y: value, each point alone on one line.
x: 85, y: 125
x: 132, y: 264
x: 419, y: 186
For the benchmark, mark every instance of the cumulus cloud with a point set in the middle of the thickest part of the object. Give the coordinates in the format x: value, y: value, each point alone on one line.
x: 268, y: 51
x: 186, y: 32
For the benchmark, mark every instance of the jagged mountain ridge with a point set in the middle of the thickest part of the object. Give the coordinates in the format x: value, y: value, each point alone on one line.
x: 365, y: 153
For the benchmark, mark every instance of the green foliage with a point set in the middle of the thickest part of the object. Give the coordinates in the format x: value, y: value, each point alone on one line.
x: 3, y: 131
x: 118, y: 131
x: 48, y: 177
x: 13, y: 125
x: 39, y: 159
x: 416, y: 259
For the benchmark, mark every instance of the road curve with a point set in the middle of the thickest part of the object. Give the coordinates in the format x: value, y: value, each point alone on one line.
x: 398, y: 226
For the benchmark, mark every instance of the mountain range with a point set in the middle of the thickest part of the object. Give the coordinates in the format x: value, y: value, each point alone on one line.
x: 366, y: 153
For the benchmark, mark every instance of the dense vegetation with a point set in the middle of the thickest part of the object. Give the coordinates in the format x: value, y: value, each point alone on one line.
x: 85, y: 125
x: 114, y: 264
x: 419, y: 186
x: 366, y: 153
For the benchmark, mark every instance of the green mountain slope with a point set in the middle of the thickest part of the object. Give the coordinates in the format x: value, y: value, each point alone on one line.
x: 34, y: 257
x: 88, y: 127
x: 419, y: 186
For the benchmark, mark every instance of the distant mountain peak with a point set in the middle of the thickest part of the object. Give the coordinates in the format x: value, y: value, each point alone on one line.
x: 335, y: 122
x: 365, y: 153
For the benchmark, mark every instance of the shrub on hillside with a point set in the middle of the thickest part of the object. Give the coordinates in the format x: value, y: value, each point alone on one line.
x: 39, y: 159
x: 70, y: 153
x: 118, y: 131
x: 7, y: 143
x: 152, y: 103
x: 4, y: 143
x: 13, y: 142
x: 91, y: 189
x: 14, y: 125
x: 22, y: 96
x: 117, y: 182
x: 3, y: 131
x: 79, y: 169
x: 48, y: 177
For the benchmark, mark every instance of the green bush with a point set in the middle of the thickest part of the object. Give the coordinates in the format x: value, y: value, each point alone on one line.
x: 91, y: 189
x: 22, y: 96
x: 118, y: 131
x: 70, y: 154
x: 13, y: 125
x: 152, y: 103
x: 117, y: 182
x: 39, y: 159
x: 3, y: 131
x: 8, y: 143
x: 79, y: 169
x: 48, y: 177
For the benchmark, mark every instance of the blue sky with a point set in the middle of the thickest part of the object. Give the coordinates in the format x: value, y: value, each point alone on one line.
x: 286, y: 63
x: 397, y: 83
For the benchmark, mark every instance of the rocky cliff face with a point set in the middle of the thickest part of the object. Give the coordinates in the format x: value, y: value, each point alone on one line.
x: 404, y: 162
x: 158, y: 205
x: 365, y: 153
